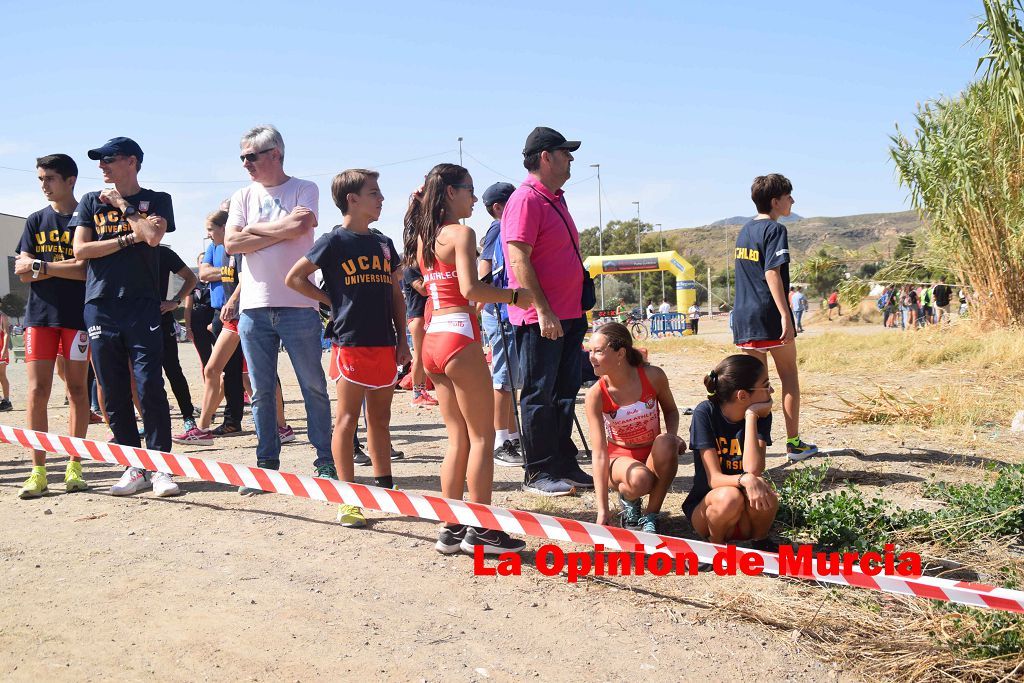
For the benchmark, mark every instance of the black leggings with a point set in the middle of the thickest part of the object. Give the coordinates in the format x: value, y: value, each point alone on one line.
x: 172, y: 368
x: 202, y: 338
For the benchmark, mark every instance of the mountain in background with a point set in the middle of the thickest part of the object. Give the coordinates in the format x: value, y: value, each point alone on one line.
x: 740, y: 220
x: 861, y: 233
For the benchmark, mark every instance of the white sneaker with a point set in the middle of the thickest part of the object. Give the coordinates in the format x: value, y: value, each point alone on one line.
x: 132, y: 481
x: 163, y: 485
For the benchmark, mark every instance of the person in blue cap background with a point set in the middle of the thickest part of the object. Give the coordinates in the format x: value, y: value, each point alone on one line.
x: 117, y: 231
x: 504, y: 361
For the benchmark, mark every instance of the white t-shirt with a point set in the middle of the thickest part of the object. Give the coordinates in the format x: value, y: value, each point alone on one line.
x: 664, y: 307
x: 263, y: 271
x: 650, y: 310
x: 694, y: 312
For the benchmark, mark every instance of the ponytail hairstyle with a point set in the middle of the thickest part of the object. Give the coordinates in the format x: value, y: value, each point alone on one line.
x: 426, y: 214
x: 734, y: 373
x: 619, y: 338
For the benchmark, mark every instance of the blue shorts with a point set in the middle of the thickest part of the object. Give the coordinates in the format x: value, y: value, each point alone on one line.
x: 503, y: 369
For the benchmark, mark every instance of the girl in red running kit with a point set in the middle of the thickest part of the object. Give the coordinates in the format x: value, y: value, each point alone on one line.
x: 729, y: 432
x: 452, y: 352
x: 630, y: 451
x: 362, y: 285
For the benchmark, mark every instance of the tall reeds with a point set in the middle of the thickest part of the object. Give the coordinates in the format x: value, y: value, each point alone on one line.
x: 964, y: 168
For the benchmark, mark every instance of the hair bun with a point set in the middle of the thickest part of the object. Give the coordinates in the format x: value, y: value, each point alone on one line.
x: 713, y: 379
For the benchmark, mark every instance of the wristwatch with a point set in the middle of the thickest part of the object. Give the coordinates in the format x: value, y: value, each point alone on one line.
x: 129, y: 211
x: 177, y: 300
x: 37, y: 267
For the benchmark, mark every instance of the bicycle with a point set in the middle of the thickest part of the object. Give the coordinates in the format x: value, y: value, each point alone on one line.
x: 637, y: 327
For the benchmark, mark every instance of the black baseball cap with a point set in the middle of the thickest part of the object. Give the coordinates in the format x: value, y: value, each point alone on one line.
x: 498, y: 192
x: 123, y: 146
x: 546, y: 139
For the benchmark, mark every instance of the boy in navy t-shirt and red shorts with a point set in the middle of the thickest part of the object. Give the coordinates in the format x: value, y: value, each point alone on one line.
x: 363, y: 288
x: 54, y: 326
x: 762, y: 320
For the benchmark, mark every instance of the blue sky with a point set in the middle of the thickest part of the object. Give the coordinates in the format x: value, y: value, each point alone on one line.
x: 682, y: 103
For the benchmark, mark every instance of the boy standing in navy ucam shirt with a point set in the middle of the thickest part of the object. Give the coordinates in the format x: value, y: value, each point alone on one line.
x: 117, y: 231
x: 762, y: 320
x: 362, y: 286
x: 53, y: 316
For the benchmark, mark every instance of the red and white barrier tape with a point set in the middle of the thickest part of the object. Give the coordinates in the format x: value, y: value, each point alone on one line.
x: 474, y: 514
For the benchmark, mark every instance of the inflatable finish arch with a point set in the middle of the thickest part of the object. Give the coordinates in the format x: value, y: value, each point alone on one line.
x: 686, y: 287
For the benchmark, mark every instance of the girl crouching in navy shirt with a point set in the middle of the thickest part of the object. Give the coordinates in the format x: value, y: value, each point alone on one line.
x: 730, y: 499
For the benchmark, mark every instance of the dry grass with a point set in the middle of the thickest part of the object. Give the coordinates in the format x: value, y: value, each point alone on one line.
x: 884, y: 637
x: 960, y: 379
x: 960, y: 349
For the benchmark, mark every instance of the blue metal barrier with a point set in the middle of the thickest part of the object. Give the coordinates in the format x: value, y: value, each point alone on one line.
x: 667, y: 325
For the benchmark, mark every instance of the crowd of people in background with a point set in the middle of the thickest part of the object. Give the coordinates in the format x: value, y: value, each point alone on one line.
x: 914, y: 306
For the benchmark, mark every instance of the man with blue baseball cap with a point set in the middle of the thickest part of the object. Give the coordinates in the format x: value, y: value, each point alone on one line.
x: 117, y: 231
x: 504, y: 361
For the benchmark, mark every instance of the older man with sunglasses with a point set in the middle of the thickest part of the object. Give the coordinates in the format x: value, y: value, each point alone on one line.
x: 117, y: 231
x: 271, y: 223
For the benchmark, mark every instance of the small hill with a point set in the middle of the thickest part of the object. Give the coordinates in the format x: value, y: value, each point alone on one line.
x: 740, y: 220
x: 858, y: 233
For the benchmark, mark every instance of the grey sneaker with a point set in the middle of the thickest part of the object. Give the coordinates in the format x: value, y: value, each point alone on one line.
x: 449, y: 540
x: 630, y: 514
x: 360, y: 457
x: 507, y: 455
x: 546, y: 485
x: 579, y: 479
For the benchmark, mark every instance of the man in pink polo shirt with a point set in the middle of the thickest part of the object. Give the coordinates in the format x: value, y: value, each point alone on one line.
x: 541, y: 246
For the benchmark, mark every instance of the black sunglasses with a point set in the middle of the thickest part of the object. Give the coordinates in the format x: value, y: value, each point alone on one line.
x: 464, y: 186
x: 109, y: 159
x: 253, y: 156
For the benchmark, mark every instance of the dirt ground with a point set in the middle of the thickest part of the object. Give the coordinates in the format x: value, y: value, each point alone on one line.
x: 213, y: 586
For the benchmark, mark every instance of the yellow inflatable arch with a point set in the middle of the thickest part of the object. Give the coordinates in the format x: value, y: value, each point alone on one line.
x: 686, y: 286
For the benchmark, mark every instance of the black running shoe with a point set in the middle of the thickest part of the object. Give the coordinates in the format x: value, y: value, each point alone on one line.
x: 493, y: 542
x: 228, y: 429
x: 397, y: 455
x: 360, y: 457
x: 449, y: 541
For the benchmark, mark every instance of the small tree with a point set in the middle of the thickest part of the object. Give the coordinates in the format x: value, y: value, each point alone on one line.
x: 13, y: 305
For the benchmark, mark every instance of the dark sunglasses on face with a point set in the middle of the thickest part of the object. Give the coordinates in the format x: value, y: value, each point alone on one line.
x: 253, y: 156
x: 109, y: 159
x: 464, y: 186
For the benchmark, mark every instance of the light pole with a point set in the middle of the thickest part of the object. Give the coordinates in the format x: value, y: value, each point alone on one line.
x: 600, y: 227
x: 662, y: 236
x: 460, y: 151
x: 640, y: 295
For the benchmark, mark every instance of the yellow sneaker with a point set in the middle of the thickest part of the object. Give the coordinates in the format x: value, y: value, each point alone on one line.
x: 35, y: 485
x: 73, y: 480
x: 351, y: 516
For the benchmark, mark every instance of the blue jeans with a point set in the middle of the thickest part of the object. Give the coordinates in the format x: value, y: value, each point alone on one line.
x: 552, y: 375
x: 799, y: 319
x: 504, y: 369
x: 262, y: 331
